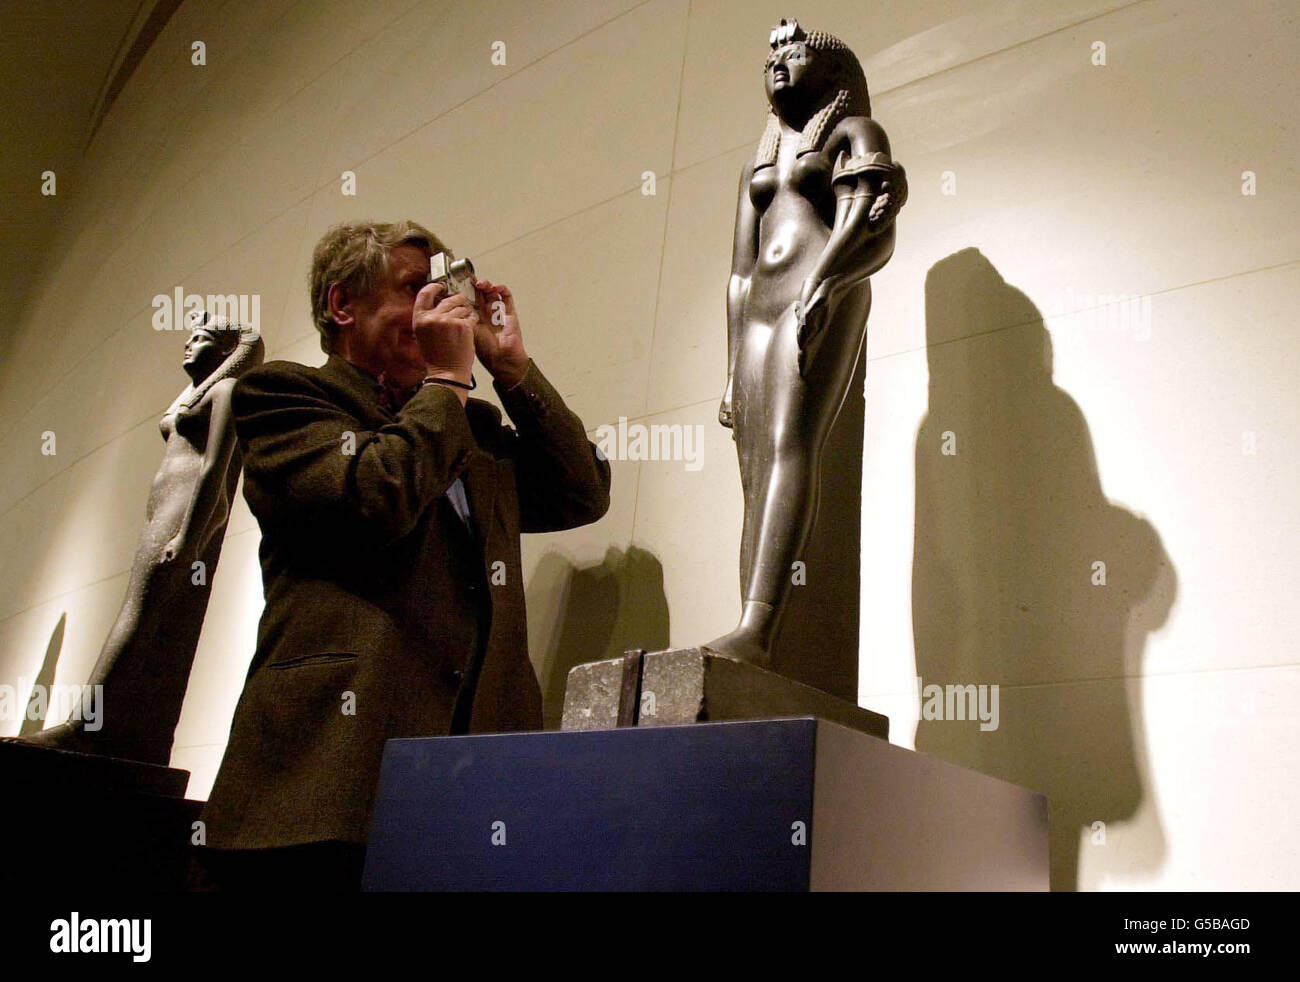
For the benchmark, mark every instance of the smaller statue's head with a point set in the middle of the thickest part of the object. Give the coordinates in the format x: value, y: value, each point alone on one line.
x: 210, y: 343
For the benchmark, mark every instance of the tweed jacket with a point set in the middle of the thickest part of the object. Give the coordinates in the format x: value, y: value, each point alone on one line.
x: 387, y: 615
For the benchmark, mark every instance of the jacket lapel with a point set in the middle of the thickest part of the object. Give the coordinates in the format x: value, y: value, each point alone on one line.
x: 480, y: 489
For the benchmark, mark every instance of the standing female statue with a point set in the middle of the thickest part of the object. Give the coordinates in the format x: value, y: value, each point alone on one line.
x: 815, y: 219
x: 144, y: 665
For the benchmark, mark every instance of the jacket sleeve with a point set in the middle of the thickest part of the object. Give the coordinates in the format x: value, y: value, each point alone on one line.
x: 312, y: 467
x: 562, y: 481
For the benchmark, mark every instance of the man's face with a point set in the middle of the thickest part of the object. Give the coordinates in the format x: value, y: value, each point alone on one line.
x: 381, y: 339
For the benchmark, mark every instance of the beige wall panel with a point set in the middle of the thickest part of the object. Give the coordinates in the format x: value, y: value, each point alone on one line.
x: 585, y: 291
x: 93, y: 512
x: 723, y: 106
x: 226, y: 646
x: 438, y: 55
x: 1078, y: 181
x: 690, y: 522
x: 1177, y: 767
x: 73, y: 410
x: 689, y: 362
x: 28, y: 531
x: 246, y: 188
x: 78, y: 303
x: 503, y: 164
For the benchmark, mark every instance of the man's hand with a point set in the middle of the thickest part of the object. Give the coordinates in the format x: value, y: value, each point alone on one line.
x: 497, y: 341
x: 444, y: 327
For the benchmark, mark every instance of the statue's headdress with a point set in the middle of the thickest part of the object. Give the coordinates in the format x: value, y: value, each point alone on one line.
x: 246, y: 351
x: 850, y: 99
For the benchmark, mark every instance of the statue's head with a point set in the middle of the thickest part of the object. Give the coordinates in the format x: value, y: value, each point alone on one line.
x: 812, y: 81
x: 210, y: 343
x: 216, y: 349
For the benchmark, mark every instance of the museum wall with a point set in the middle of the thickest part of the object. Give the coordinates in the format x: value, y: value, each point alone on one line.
x: 1083, y: 352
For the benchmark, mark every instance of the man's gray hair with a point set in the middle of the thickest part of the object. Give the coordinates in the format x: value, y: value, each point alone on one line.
x: 355, y: 256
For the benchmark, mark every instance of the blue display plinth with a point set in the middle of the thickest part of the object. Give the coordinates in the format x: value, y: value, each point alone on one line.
x: 787, y: 804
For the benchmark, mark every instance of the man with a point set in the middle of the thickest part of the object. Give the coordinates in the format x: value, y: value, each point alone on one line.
x: 391, y: 506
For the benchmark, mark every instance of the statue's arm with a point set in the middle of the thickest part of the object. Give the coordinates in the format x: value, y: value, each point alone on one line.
x: 869, y: 189
x: 209, y: 504
x: 744, y: 255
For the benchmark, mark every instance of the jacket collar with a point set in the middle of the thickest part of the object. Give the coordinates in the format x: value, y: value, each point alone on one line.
x: 363, y: 387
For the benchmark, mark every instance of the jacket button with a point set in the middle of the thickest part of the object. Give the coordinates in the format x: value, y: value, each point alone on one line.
x: 453, y: 675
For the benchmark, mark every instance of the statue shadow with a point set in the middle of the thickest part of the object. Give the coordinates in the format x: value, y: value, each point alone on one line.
x: 44, y: 677
x: 1011, y: 524
x: 605, y: 609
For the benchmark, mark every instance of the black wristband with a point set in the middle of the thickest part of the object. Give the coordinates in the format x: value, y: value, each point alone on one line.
x: 473, y: 382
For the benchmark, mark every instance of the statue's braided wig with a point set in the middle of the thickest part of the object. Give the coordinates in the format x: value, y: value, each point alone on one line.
x: 851, y: 98
x: 244, y: 346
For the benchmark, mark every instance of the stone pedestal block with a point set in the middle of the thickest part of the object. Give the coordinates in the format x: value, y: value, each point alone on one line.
x: 691, y: 685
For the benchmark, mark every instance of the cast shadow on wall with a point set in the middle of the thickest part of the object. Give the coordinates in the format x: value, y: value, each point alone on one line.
x: 605, y: 610
x: 44, y: 678
x: 1004, y: 582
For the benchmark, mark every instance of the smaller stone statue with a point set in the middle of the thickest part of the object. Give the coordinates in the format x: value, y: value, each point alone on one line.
x: 145, y: 663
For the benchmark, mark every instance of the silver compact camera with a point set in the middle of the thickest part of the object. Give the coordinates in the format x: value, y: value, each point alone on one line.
x: 457, y: 275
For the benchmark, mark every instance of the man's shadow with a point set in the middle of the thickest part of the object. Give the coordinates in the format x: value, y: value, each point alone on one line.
x: 605, y: 609
x: 1011, y: 523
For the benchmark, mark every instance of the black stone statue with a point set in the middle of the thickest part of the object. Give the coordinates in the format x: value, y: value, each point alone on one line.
x: 814, y: 220
x: 145, y: 663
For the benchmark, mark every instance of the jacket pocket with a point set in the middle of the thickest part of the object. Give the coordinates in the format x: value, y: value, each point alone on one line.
x: 319, y: 658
